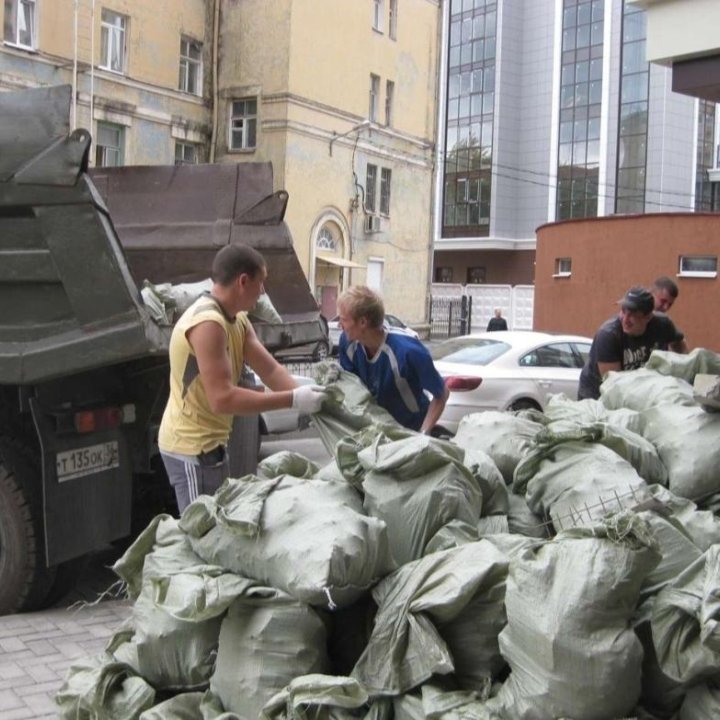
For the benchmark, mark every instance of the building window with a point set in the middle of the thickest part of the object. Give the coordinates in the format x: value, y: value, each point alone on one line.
x: 20, y: 23
x: 475, y: 275
x: 563, y: 267
x: 113, y: 31
x: 243, y: 124
x: 392, y: 19
x: 704, y: 201
x: 389, y: 96
x: 443, y: 275
x: 633, y: 125
x: 374, y: 97
x: 378, y: 12
x: 109, y: 145
x: 326, y: 240
x: 580, y: 105
x: 385, y: 181
x: 186, y: 153
x: 698, y: 265
x: 190, y: 66
x: 470, y: 111
x: 370, y: 188
x: 374, y: 204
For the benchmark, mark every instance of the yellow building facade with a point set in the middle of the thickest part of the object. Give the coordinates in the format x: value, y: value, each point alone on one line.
x: 340, y: 95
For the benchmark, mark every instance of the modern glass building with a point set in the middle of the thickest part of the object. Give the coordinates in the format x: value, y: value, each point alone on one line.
x: 549, y: 112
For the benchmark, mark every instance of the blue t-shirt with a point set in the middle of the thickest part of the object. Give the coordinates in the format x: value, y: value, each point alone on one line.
x: 401, y: 369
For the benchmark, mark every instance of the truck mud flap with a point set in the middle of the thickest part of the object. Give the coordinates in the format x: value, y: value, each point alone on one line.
x: 87, y: 489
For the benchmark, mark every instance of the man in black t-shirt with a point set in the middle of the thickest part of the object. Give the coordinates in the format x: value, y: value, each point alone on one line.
x: 497, y: 322
x: 665, y: 292
x: 626, y: 341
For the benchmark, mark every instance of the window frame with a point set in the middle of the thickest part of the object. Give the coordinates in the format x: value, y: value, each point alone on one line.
x: 248, y: 127
x: 392, y: 19
x: 119, y: 149
x: 563, y: 267
x: 184, y: 145
x: 476, y: 275
x: 385, y: 191
x: 683, y: 272
x: 374, y: 99
x: 389, y: 102
x: 371, y: 188
x: 14, y: 8
x: 188, y: 64
x: 109, y: 29
x: 378, y: 12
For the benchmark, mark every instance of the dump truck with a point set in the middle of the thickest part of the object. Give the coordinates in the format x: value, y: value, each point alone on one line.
x: 83, y: 364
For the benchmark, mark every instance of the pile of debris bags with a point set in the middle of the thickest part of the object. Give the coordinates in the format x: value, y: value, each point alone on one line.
x: 540, y: 566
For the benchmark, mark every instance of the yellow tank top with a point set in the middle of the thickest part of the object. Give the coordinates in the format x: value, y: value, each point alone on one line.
x: 189, y: 426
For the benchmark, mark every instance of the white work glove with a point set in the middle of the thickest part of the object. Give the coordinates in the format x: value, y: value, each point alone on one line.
x: 307, y: 399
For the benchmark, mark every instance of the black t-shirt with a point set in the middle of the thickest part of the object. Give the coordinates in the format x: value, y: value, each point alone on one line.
x: 497, y: 323
x: 612, y: 345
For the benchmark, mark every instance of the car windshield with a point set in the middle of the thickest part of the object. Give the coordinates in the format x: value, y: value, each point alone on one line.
x: 469, y: 351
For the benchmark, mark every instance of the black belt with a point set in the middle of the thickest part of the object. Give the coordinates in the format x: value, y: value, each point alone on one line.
x: 212, y: 457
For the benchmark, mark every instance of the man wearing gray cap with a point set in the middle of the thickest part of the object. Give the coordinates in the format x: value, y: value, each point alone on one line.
x: 626, y: 341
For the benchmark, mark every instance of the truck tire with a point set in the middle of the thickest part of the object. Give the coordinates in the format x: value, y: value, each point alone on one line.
x: 23, y: 577
x: 25, y: 582
x: 321, y: 351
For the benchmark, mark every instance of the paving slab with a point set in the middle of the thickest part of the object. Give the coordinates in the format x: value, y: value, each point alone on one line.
x: 37, y: 649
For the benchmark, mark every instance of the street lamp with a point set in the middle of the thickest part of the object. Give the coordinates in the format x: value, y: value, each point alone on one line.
x: 359, y: 126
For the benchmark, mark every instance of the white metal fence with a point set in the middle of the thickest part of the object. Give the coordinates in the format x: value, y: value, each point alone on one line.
x: 515, y: 302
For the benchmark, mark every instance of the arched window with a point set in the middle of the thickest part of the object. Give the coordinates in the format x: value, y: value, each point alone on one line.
x: 326, y: 240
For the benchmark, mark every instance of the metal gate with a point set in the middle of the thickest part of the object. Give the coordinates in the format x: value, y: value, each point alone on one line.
x: 450, y: 316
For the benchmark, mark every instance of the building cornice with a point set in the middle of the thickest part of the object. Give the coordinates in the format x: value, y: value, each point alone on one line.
x: 60, y: 63
x: 309, y: 104
x: 484, y: 243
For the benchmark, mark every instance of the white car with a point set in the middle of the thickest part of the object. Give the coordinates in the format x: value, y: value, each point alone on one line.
x: 391, y: 321
x: 507, y: 370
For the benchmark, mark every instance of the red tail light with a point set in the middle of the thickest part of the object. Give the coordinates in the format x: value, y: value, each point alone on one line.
x: 460, y: 383
x: 100, y: 419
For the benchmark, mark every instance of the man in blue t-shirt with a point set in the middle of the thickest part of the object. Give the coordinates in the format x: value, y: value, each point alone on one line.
x: 397, y: 369
x: 626, y: 341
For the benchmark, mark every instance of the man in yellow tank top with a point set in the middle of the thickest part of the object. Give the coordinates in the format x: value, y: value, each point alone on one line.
x: 209, y: 345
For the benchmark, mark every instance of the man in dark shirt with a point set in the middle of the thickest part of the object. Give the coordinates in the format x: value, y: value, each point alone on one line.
x: 626, y: 341
x: 665, y: 292
x: 498, y: 322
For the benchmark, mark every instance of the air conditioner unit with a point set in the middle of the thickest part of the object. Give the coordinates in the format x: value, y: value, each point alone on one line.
x: 372, y: 223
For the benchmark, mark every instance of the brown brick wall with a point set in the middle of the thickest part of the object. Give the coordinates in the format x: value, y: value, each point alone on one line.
x: 610, y: 255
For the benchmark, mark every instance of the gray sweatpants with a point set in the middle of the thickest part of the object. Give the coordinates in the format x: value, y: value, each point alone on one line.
x: 190, y: 478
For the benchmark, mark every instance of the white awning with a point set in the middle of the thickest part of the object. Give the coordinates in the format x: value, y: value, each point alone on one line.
x: 339, y: 262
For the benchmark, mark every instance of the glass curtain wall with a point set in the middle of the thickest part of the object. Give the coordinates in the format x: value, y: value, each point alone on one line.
x: 580, y: 105
x: 705, y: 200
x: 633, y: 125
x: 470, y: 105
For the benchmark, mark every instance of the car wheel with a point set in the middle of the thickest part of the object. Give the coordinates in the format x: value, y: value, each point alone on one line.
x: 524, y: 404
x: 321, y: 351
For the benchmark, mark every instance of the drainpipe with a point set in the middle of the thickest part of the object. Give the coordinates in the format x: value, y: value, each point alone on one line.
x: 92, y: 67
x: 215, y: 92
x: 75, y: 64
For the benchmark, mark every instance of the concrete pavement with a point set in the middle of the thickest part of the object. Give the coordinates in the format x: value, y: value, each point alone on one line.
x: 37, y: 649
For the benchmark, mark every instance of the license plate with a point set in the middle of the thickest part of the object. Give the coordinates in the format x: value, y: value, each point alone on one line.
x: 88, y: 460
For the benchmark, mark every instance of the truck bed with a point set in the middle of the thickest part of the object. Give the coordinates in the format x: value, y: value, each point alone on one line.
x: 75, y: 247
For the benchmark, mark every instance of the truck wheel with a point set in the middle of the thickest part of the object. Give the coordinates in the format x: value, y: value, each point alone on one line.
x: 321, y: 351
x: 25, y: 582
x: 23, y: 577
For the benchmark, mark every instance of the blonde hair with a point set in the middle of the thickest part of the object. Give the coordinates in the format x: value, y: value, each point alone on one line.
x: 360, y: 301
